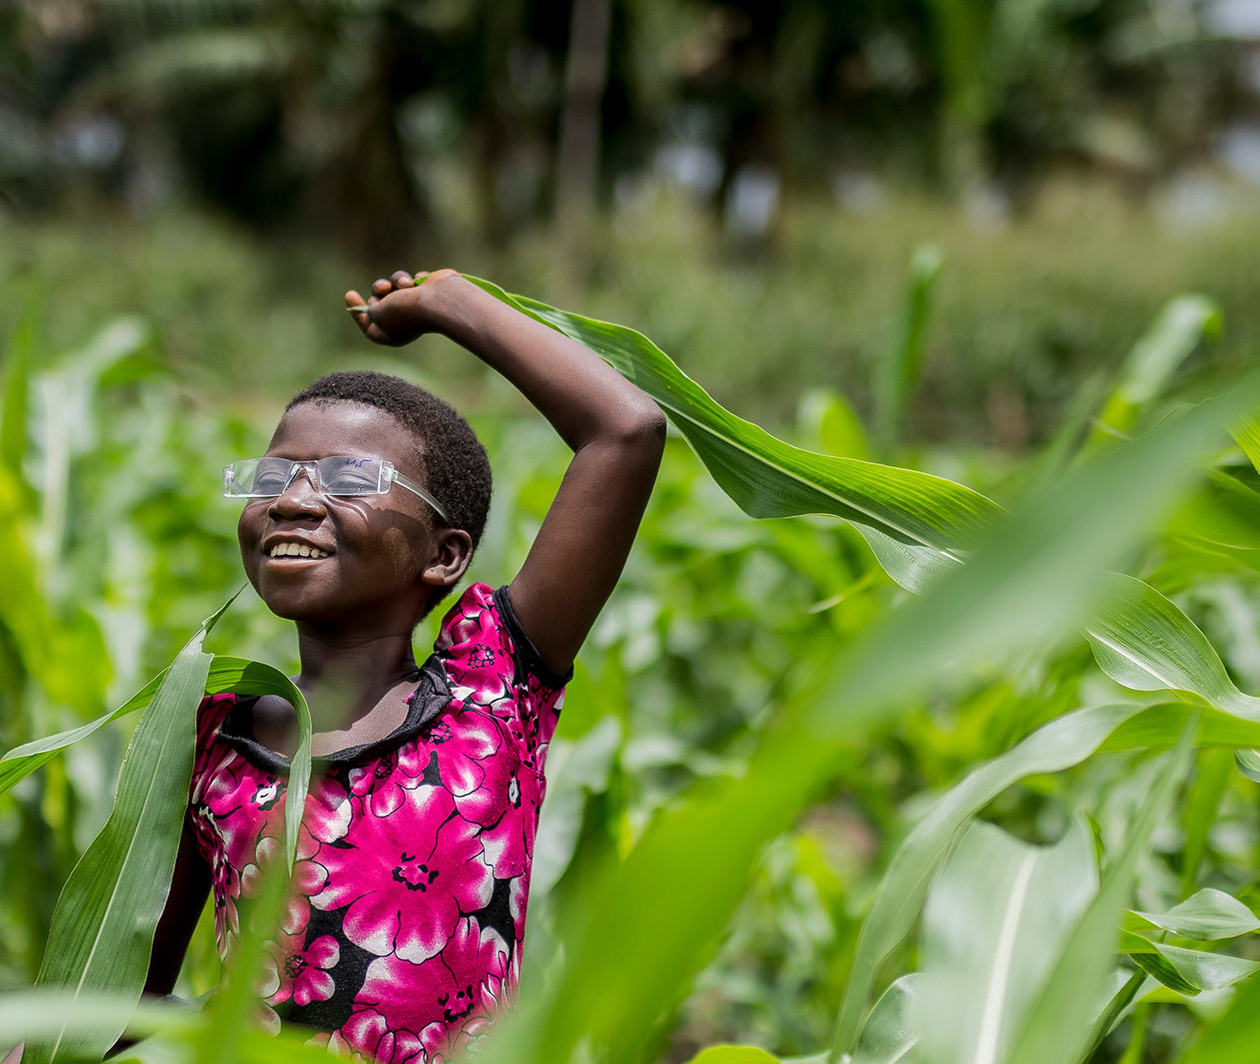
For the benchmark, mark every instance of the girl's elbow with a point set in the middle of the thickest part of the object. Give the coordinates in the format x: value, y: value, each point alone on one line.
x: 643, y: 427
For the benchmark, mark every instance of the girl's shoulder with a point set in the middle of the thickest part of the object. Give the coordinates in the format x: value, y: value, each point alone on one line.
x: 482, y: 634
x: 494, y: 667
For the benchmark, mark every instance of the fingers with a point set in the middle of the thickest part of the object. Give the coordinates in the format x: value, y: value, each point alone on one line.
x: 398, y: 279
x: 362, y: 315
x: 356, y: 304
x: 370, y: 329
x: 405, y: 321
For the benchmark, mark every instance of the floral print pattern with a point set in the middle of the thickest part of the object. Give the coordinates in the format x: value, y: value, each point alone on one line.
x: 402, y: 938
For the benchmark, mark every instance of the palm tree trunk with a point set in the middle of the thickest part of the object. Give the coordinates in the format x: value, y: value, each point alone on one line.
x: 577, y: 159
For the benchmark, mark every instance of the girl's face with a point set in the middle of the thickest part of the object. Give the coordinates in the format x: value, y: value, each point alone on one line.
x: 370, y: 553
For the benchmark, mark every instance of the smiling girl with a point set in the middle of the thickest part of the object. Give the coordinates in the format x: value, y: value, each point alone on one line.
x: 403, y: 932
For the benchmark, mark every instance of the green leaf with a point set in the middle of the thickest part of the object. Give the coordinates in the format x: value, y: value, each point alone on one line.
x: 1190, y: 971
x: 1163, y: 970
x: 1178, y: 329
x: 1060, y: 1025
x: 1036, y: 577
x: 1057, y: 746
x: 22, y: 760
x: 1210, y: 915
x: 102, y: 927
x: 1126, y: 986
x: 1143, y: 641
x: 1248, y: 762
x: 917, y: 525
x: 1200, y: 811
x: 1062, y: 743
x: 226, y: 674
x: 897, y: 375
x: 16, y: 400
x: 887, y: 1036
x: 1247, y: 435
x: 996, y: 918
x: 1232, y: 1038
x: 727, y: 1054
x: 43, y: 1014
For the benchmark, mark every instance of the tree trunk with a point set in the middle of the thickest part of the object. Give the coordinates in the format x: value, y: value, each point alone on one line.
x: 577, y: 158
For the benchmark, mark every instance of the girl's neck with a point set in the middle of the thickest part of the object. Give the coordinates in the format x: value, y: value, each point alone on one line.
x: 344, y: 677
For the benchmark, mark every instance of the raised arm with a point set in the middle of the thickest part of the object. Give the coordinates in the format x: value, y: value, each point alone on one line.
x: 616, y: 433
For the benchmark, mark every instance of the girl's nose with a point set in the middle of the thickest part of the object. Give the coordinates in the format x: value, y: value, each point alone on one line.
x: 300, y: 497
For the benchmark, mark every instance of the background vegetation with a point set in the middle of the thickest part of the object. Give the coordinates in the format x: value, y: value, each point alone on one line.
x: 189, y: 186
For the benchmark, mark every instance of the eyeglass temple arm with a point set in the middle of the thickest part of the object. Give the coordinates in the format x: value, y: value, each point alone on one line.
x: 412, y: 486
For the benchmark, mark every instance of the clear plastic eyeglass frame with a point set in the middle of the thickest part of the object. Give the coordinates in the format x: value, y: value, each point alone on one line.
x: 339, y: 475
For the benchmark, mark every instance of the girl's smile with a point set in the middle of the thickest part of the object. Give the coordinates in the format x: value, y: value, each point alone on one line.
x: 289, y: 547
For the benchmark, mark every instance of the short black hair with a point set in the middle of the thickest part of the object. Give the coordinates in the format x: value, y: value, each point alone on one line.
x: 456, y: 469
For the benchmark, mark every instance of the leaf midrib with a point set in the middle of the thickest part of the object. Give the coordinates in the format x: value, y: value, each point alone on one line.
x: 995, y: 995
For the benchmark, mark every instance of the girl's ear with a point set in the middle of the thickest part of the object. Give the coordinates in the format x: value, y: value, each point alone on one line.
x: 451, y: 555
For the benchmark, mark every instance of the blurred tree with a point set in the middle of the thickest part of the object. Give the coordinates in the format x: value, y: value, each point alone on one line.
x: 359, y: 116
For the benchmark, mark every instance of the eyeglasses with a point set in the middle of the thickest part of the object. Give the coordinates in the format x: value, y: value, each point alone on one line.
x: 341, y: 475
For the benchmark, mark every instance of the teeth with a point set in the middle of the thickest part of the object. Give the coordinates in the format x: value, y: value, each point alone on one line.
x: 297, y: 550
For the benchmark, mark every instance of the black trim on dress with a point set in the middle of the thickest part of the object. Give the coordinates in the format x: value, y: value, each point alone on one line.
x: 527, y: 656
x: 431, y: 696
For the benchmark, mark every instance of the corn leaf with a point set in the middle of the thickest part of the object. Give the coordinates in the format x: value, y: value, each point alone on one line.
x: 897, y: 375
x: 1174, y: 334
x: 226, y: 674
x: 1062, y: 743
x: 728, y: 1054
x: 1036, y: 577
x: 1191, y: 971
x: 1247, y: 435
x: 996, y: 918
x: 918, y: 525
x: 41, y: 1015
x: 1200, y: 810
x: 1060, y: 1025
x: 888, y: 1037
x: 102, y: 927
x: 1143, y: 641
x: 1210, y: 915
x: 1232, y: 1038
x: 1057, y: 746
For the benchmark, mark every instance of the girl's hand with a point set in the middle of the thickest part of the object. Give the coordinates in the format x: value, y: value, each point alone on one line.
x: 400, y: 308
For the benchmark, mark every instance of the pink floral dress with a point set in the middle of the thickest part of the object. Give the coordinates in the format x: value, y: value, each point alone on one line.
x: 402, y: 938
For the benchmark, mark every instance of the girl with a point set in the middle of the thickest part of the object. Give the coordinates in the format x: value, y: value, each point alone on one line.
x: 403, y: 930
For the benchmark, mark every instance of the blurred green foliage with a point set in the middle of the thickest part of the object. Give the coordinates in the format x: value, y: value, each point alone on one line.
x: 126, y: 546
x: 1023, y: 315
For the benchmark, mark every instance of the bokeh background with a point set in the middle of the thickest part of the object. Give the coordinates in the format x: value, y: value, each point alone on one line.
x: 188, y: 186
